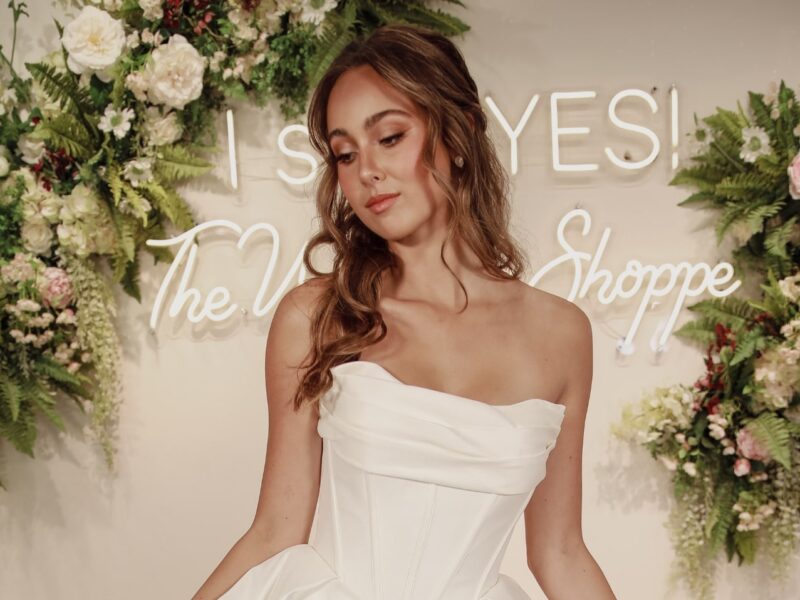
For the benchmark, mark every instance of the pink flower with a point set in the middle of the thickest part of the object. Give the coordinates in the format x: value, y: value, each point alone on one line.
x: 794, y: 177
x: 741, y: 467
x: 55, y: 288
x: 749, y: 446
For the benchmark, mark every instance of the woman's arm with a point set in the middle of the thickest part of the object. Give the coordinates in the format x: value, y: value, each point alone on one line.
x: 290, y: 482
x: 557, y: 554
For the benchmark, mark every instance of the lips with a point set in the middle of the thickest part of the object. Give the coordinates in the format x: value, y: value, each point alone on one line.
x: 379, y: 198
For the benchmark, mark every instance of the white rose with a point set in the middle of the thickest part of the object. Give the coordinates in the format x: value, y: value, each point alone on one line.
x: 94, y: 41
x: 74, y: 238
x: 4, y: 166
x: 162, y: 129
x: 175, y: 73
x: 31, y: 150
x: 37, y: 236
x: 152, y: 9
x: 50, y: 207
x: 81, y: 202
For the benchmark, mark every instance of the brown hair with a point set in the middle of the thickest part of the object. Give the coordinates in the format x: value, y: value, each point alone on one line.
x: 430, y: 70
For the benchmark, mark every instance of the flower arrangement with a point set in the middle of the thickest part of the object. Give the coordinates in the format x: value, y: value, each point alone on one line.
x: 92, y: 148
x: 730, y: 440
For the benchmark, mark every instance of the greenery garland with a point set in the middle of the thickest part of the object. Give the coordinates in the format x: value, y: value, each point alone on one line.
x: 730, y: 440
x: 92, y: 148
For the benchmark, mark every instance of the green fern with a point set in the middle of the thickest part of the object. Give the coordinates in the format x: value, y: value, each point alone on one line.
x: 130, y: 279
x: 66, y: 91
x: 114, y: 181
x: 10, y: 395
x: 776, y: 240
x: 177, y: 162
x: 69, y: 382
x: 731, y: 311
x: 127, y: 228
x: 771, y: 431
x: 744, y: 186
x: 65, y: 131
x: 700, y: 330
x: 747, y: 344
x: 432, y: 18
x: 702, y: 177
x: 336, y: 34
x: 136, y: 202
x: 44, y: 400
x: 168, y: 202
x: 720, y: 517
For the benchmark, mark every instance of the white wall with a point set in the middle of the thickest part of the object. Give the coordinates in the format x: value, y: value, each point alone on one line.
x: 193, y: 422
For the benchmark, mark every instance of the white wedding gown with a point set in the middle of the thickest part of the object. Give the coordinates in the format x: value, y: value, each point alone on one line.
x: 419, y: 493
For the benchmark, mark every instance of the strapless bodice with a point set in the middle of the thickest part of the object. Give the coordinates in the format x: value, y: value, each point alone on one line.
x: 419, y: 493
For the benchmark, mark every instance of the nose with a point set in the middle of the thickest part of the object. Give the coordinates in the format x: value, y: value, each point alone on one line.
x: 370, y: 171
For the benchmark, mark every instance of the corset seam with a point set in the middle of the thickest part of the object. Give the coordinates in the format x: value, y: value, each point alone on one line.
x: 422, y: 537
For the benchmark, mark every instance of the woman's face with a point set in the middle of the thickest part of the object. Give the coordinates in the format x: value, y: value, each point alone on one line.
x: 380, y: 152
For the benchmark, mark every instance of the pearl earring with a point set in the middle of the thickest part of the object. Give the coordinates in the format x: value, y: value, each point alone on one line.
x: 459, y: 161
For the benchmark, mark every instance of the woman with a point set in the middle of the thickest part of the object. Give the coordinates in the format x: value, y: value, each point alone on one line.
x: 416, y: 393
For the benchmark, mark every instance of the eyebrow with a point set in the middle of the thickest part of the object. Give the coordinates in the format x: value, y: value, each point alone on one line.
x: 369, y: 122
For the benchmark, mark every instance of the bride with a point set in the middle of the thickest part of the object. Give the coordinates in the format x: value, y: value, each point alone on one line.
x: 419, y: 393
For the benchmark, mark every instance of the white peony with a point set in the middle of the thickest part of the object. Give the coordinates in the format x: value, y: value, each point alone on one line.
x: 175, y: 73
x: 37, y: 235
x: 160, y: 128
x: 81, y: 203
x: 152, y: 9
x: 94, y: 41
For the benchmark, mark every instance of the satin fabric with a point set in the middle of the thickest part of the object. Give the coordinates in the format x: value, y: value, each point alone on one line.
x: 420, y: 491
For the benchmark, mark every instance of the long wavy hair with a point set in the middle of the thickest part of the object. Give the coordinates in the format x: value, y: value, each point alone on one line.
x: 430, y: 70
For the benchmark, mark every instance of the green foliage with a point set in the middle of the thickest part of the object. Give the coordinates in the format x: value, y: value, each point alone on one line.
x: 65, y: 90
x: 729, y: 310
x: 65, y: 131
x: 337, y: 33
x: 772, y: 431
x: 178, y: 162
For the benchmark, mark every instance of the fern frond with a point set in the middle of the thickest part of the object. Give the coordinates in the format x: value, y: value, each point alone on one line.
x: 177, y: 162
x: 700, y: 330
x: 65, y: 131
x: 137, y: 203
x: 66, y: 91
x: 336, y: 34
x: 168, y: 202
x: 731, y: 311
x: 771, y: 430
x: 10, y: 394
x: 744, y: 186
x: 776, y: 240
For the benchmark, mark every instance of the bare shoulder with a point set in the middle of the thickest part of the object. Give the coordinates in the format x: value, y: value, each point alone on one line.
x: 289, y: 339
x: 568, y: 331
x: 567, y: 322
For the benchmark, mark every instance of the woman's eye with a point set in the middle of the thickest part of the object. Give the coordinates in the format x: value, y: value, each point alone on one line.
x: 344, y: 158
x: 391, y: 137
